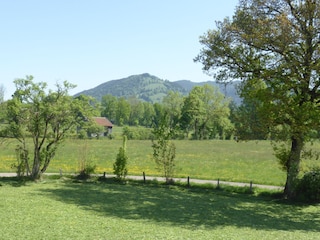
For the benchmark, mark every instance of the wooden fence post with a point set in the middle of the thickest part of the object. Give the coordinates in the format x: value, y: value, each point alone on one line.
x: 188, y: 182
x: 144, y: 177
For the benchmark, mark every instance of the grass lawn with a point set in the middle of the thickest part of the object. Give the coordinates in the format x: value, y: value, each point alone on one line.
x: 212, y: 159
x: 62, y: 209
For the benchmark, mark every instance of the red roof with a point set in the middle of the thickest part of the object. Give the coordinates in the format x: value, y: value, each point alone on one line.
x: 102, y: 121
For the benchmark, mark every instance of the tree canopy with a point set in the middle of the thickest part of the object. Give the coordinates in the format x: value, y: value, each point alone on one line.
x: 273, y: 47
x: 45, y: 116
x: 206, y: 110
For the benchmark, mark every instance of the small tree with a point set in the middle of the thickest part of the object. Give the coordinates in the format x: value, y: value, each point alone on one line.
x: 164, y: 150
x: 45, y: 117
x: 120, y: 165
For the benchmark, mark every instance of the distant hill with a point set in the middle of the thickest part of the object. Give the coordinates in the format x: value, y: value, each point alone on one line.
x: 150, y: 88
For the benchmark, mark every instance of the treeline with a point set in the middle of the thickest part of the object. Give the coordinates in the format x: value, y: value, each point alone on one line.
x: 205, y: 113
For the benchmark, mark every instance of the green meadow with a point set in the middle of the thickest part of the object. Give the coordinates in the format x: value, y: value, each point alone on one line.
x: 68, y: 209
x: 210, y: 159
x: 64, y: 208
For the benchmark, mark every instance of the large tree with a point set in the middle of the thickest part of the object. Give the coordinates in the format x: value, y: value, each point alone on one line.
x: 206, y: 110
x: 273, y: 47
x: 44, y: 116
x: 123, y: 111
x: 172, y: 104
x: 109, y: 105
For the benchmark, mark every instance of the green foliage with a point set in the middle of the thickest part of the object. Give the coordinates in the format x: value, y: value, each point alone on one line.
x: 46, y: 117
x: 144, y: 86
x: 137, y: 133
x: 308, y: 188
x: 94, y: 130
x: 86, y: 169
x: 272, y: 46
x: 123, y: 111
x: 206, y: 111
x: 248, y: 123
x: 82, y: 134
x: 120, y: 165
x: 22, y: 164
x: 172, y: 105
x: 282, y: 153
x: 109, y: 106
x: 164, y: 150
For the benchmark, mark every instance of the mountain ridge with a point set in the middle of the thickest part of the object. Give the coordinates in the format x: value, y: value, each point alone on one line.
x: 150, y: 88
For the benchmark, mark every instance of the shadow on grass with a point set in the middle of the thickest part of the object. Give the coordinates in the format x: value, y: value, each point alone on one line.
x: 14, y: 181
x: 185, y: 207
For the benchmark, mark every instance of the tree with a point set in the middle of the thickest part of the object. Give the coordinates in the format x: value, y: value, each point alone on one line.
x: 207, y: 110
x: 193, y: 112
x: 45, y: 117
x: 148, y: 114
x: 164, y: 150
x: 109, y: 106
x: 120, y: 165
x: 136, y: 111
x: 123, y: 111
x: 172, y: 104
x: 158, y: 114
x: 247, y: 121
x: 273, y: 47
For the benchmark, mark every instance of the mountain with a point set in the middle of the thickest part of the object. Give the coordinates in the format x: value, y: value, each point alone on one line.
x: 150, y: 88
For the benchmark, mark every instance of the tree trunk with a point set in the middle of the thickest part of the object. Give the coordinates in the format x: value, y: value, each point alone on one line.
x: 196, y: 129
x: 35, y: 174
x: 293, y: 166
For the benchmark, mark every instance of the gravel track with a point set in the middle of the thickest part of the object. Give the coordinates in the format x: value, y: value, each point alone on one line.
x: 184, y: 180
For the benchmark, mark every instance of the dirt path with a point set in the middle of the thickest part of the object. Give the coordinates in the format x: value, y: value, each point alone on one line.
x: 184, y: 180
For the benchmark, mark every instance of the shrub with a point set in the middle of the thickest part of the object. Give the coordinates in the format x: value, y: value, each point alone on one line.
x: 86, y: 169
x: 309, y: 186
x: 120, y: 165
x: 137, y: 133
x: 22, y: 164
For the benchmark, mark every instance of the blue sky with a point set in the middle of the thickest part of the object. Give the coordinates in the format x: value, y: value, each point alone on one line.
x: 89, y: 42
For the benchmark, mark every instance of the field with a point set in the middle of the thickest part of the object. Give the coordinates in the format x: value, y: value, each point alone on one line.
x: 61, y: 208
x: 226, y: 160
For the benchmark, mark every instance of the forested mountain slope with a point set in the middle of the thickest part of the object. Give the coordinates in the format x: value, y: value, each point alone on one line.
x: 150, y: 88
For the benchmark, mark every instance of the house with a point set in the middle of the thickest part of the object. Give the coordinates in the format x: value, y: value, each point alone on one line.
x: 105, y: 123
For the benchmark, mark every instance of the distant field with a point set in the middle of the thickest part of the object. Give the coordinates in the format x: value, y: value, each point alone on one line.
x: 212, y: 159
